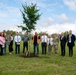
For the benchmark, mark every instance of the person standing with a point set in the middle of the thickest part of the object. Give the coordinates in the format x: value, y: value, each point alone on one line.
x: 10, y: 42
x: 36, y: 40
x: 25, y: 43
x: 17, y: 40
x: 44, y: 43
x: 70, y: 42
x: 62, y: 44
x: 55, y: 43
x: 50, y: 44
x: 5, y: 44
x: 2, y: 42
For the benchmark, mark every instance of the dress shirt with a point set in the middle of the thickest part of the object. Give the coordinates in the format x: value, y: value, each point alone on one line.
x: 17, y: 38
x: 70, y: 38
x: 50, y: 41
x: 44, y: 38
x: 62, y: 37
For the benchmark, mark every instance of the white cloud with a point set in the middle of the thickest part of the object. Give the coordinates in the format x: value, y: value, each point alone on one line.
x: 6, y: 10
x: 3, y: 15
x: 49, y: 21
x: 9, y: 27
x: 71, y: 4
x: 63, y: 18
x: 14, y: 11
x: 58, y: 28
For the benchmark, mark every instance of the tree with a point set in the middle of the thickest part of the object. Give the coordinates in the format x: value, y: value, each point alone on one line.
x: 30, y: 16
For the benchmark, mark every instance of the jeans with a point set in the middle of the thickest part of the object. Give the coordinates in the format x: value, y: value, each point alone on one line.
x: 36, y: 49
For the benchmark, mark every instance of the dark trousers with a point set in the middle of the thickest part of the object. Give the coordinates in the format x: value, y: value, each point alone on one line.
x: 4, y: 50
x: 17, y: 48
x: 36, y: 49
x: 1, y: 50
x: 70, y: 50
x: 44, y: 46
x: 11, y: 46
x: 25, y: 44
x: 62, y: 50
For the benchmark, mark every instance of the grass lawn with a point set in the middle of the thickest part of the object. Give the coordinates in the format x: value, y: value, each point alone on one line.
x: 43, y: 65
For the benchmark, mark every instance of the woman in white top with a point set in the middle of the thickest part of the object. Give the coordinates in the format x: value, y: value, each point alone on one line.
x: 50, y: 44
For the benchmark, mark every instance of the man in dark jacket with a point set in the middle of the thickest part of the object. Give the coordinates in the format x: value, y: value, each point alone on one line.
x: 70, y: 42
x: 25, y: 43
x: 62, y: 44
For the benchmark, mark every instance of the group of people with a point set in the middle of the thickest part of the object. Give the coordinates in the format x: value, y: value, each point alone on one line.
x: 46, y: 41
x: 54, y: 42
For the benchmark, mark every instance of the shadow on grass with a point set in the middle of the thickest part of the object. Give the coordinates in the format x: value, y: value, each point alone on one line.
x: 31, y: 55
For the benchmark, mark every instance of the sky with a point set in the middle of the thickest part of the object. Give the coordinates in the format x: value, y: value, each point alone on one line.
x: 57, y: 15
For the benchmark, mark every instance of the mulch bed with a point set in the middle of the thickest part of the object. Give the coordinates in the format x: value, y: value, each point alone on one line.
x: 31, y: 55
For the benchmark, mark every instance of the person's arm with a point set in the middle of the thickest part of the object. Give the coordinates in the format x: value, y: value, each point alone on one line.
x: 41, y: 38
x: 22, y: 38
x: 74, y: 37
x: 15, y: 39
x: 65, y: 39
x: 19, y: 38
x: 60, y: 38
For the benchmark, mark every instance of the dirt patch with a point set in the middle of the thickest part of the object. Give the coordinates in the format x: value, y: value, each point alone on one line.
x: 31, y: 55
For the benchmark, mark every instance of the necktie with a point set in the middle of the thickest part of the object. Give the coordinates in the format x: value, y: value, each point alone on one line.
x: 17, y: 38
x: 61, y: 37
x: 44, y: 38
x: 49, y: 41
x: 69, y: 38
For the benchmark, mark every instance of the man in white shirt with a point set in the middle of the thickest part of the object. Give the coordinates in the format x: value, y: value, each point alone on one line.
x: 44, y: 43
x: 17, y: 40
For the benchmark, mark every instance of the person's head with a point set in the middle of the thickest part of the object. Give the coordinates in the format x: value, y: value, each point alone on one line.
x: 10, y: 33
x: 55, y: 35
x: 2, y: 34
x: 44, y: 33
x: 49, y: 36
x: 62, y: 34
x: 16, y: 33
x: 35, y: 33
x: 25, y: 34
x: 70, y: 32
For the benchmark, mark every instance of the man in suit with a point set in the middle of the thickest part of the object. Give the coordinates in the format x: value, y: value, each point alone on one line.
x: 62, y: 44
x: 70, y: 42
x: 44, y: 43
x: 25, y: 43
